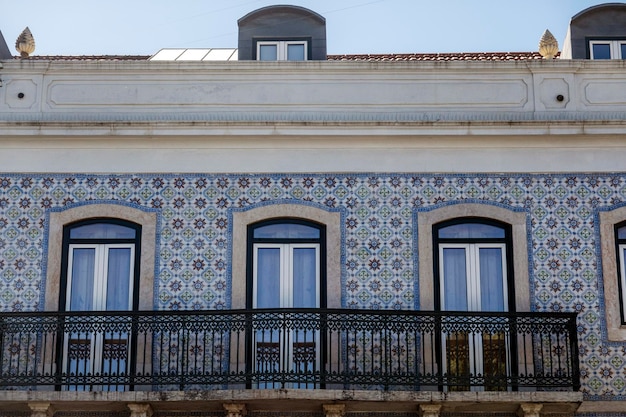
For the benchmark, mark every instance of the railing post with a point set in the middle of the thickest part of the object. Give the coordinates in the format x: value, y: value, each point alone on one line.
x: 40, y: 409
x: 58, y: 353
x: 2, y: 331
x: 574, y: 353
x: 249, y: 341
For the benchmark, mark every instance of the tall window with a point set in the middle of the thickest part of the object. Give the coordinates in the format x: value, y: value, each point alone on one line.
x: 620, y: 238
x: 607, y: 49
x: 473, y: 273
x: 285, y: 270
x: 100, y: 273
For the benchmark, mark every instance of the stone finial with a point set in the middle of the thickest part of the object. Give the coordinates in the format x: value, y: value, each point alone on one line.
x: 25, y: 43
x: 548, y: 45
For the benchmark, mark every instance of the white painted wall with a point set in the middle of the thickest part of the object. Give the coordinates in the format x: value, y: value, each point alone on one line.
x: 139, y: 116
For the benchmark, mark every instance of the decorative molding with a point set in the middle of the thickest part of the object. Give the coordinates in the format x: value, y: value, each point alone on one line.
x: 429, y: 410
x: 234, y: 409
x: 41, y: 409
x: 140, y: 410
x: 529, y: 410
x: 334, y: 410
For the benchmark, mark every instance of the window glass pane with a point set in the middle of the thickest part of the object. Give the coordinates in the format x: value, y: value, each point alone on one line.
x: 601, y: 50
x: 268, y: 278
x: 304, y: 278
x: 295, y: 52
x: 286, y: 231
x: 81, y: 292
x: 622, y: 48
x: 471, y: 231
x: 621, y: 233
x: 491, y: 279
x: 268, y: 52
x: 454, y: 279
x: 118, y: 277
x: 102, y: 231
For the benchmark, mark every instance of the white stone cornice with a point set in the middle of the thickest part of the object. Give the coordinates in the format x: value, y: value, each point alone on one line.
x: 125, y: 98
x: 74, y: 64
x: 16, y: 127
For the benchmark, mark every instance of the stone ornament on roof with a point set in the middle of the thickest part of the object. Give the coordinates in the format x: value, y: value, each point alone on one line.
x: 25, y: 43
x: 548, y: 45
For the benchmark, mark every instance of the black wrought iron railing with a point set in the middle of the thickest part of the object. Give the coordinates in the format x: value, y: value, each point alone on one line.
x: 290, y: 348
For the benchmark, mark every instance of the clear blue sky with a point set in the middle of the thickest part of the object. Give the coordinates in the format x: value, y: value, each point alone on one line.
x: 90, y: 27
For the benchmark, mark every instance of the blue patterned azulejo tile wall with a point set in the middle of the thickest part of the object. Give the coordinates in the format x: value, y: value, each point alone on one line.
x: 379, y: 255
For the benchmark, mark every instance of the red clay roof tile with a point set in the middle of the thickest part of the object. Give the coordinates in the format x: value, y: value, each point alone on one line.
x: 461, y: 56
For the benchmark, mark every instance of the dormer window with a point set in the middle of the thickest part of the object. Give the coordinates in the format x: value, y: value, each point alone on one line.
x: 281, y: 51
x: 607, y: 49
x: 282, y: 33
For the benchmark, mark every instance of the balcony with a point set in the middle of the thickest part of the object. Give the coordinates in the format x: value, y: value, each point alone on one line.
x: 325, y: 349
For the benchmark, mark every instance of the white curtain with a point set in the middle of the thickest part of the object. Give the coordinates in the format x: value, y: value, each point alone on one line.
x: 304, y: 264
x: 491, y: 280
x: 83, y: 268
x: 268, y: 278
x: 455, y: 279
x: 118, y: 276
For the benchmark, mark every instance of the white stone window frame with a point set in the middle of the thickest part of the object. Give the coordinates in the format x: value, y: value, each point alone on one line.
x: 615, y: 330
x: 614, y: 45
x: 519, y: 240
x: 282, y: 48
x: 242, y: 219
x: 59, y: 219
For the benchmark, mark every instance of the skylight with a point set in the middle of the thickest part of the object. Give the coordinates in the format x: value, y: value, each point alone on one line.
x: 195, y: 54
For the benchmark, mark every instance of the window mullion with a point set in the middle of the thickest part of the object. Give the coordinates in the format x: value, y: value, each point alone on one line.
x: 286, y: 276
x: 473, y: 278
x: 317, y: 275
x: 100, y: 278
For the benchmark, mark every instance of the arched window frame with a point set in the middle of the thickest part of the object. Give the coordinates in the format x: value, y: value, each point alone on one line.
x: 518, y: 220
x: 68, y: 241
x: 241, y: 219
x: 437, y: 240
x: 58, y: 219
x: 607, y: 223
x: 251, y: 240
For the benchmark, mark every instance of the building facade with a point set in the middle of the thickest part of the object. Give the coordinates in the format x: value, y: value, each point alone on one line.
x: 379, y: 235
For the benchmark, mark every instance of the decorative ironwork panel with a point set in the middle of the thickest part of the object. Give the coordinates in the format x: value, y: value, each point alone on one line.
x: 79, y: 349
x: 115, y: 349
